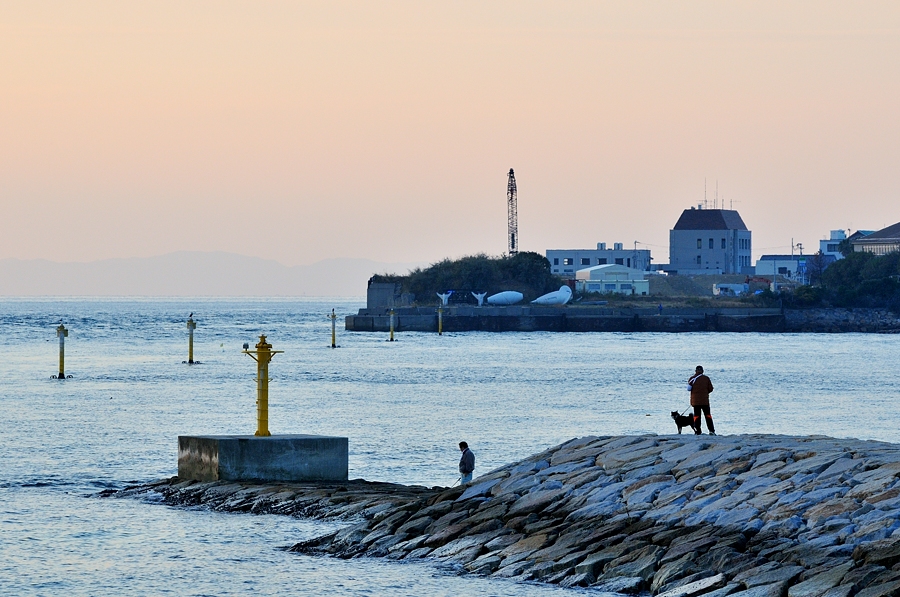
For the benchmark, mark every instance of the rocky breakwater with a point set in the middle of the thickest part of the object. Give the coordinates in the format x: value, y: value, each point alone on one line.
x: 841, y: 320
x: 750, y: 516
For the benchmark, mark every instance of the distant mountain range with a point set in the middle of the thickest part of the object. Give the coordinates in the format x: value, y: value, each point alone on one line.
x: 190, y: 273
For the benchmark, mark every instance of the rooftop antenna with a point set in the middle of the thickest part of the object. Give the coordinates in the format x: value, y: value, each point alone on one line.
x: 717, y: 194
x: 512, y: 214
x: 704, y: 192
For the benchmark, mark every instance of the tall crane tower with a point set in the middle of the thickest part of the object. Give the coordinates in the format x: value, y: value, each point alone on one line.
x: 512, y: 214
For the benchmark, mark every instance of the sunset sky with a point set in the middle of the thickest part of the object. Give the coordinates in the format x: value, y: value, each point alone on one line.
x: 304, y: 131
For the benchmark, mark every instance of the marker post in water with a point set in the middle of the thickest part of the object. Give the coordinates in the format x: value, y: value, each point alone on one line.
x: 392, y: 325
x: 440, y: 320
x: 62, y: 333
x: 333, y: 331
x: 262, y: 355
x: 191, y: 326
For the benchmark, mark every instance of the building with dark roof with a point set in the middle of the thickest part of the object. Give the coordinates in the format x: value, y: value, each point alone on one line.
x: 882, y: 242
x: 709, y: 241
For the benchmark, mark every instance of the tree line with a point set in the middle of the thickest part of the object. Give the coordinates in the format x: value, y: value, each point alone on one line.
x: 525, y: 272
x: 858, y: 280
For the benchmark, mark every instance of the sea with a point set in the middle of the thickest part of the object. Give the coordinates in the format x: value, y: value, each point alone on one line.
x: 404, y: 406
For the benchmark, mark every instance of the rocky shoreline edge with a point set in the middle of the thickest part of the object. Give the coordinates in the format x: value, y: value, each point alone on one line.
x: 679, y: 516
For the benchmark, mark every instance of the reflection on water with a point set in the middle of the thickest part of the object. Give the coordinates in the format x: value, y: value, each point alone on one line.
x: 404, y: 406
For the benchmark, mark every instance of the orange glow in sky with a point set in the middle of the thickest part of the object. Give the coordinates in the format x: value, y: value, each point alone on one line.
x: 300, y: 132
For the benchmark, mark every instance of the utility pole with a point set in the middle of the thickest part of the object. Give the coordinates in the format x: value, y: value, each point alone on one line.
x: 512, y: 214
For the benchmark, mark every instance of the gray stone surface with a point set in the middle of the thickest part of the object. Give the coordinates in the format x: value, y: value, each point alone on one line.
x: 810, y: 515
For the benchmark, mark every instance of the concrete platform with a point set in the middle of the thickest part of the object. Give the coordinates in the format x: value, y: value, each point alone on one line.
x: 251, y: 458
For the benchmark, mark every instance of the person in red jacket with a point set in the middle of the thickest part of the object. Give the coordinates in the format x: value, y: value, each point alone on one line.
x: 701, y: 387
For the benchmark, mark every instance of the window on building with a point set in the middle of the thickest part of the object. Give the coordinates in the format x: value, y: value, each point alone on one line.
x: 601, y: 260
x: 620, y: 261
x: 556, y: 261
x: 698, y: 260
x: 711, y: 243
x: 585, y: 261
x: 783, y: 271
x: 609, y: 287
x: 699, y: 243
x: 831, y: 248
x: 568, y: 260
x: 626, y: 286
x: 628, y: 262
x: 723, y: 243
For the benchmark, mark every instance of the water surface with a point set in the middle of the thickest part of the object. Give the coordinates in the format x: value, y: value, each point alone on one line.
x: 404, y: 405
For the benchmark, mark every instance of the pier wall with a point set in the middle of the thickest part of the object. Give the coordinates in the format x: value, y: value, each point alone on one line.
x: 595, y: 319
x: 574, y: 319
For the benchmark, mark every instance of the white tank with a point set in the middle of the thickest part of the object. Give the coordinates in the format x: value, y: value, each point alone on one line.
x: 558, y: 297
x: 507, y: 297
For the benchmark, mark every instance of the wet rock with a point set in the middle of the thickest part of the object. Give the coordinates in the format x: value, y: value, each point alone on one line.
x: 643, y: 566
x: 577, y: 580
x: 446, y: 534
x: 623, y: 584
x: 883, y: 553
x: 779, y: 574
x: 697, y: 587
x: 415, y: 525
x: 772, y: 590
x: 890, y: 589
x: 672, y: 570
x: 820, y: 583
x: 523, y: 548
x: 534, y: 502
x: 485, y: 564
x: 480, y: 489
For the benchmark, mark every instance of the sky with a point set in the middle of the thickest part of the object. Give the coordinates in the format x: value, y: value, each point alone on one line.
x: 304, y: 131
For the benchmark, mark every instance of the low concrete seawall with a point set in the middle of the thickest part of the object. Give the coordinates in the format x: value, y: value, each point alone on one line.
x: 569, y: 319
x: 588, y: 319
x: 295, y: 457
x: 679, y: 516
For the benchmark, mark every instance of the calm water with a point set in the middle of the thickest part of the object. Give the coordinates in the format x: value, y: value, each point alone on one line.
x: 404, y: 406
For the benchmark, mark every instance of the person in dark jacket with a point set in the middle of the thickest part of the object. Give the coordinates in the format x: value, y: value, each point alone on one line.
x: 701, y: 386
x: 466, y: 463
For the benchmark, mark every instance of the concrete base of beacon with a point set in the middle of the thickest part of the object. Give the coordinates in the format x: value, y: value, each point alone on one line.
x: 251, y: 458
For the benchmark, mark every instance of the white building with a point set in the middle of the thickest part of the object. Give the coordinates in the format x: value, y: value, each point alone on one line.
x: 612, y: 278
x: 789, y: 266
x: 565, y: 262
x: 832, y: 246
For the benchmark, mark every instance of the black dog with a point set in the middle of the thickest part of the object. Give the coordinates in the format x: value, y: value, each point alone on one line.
x: 683, y: 421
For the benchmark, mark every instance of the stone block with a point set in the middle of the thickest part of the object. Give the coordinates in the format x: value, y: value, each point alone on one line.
x: 287, y: 458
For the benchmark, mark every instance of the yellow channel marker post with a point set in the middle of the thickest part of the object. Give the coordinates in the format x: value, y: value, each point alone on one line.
x: 441, y: 319
x: 392, y: 325
x: 62, y: 333
x: 262, y: 355
x: 191, y: 326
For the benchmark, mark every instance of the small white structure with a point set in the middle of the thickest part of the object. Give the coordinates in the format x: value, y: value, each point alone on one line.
x: 832, y: 246
x: 507, y: 297
x: 789, y: 266
x: 612, y: 278
x: 557, y: 297
x: 730, y: 289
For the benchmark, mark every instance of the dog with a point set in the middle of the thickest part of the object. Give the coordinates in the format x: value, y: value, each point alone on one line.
x: 683, y: 421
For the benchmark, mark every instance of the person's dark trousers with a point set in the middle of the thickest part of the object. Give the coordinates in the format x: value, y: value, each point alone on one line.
x: 709, y: 421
